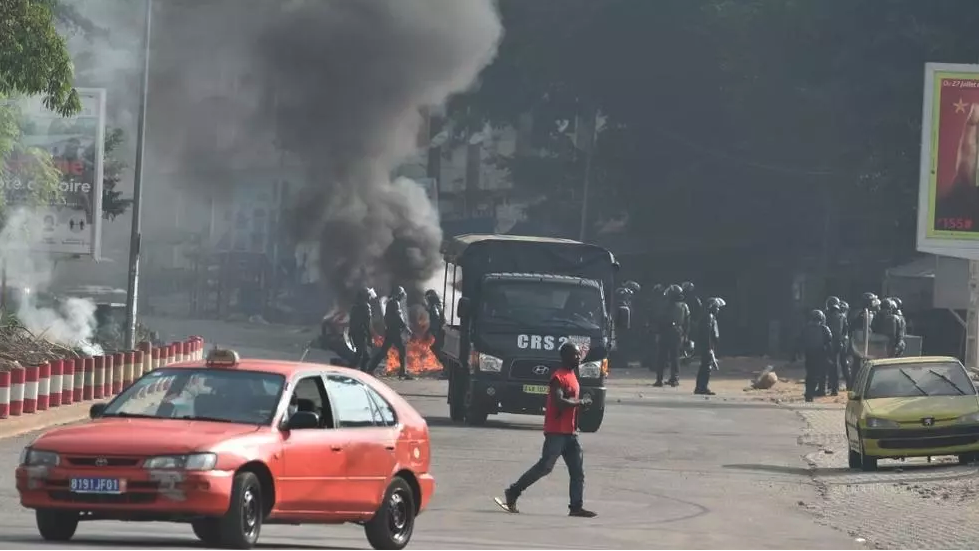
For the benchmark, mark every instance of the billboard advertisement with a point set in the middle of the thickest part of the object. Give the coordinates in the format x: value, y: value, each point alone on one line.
x: 71, y: 224
x: 948, y: 199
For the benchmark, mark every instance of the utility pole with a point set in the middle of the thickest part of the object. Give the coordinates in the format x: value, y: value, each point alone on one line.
x: 587, y: 145
x: 135, y: 239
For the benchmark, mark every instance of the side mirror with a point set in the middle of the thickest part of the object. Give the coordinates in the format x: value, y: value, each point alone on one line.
x: 463, y: 307
x: 851, y: 395
x: 303, y: 420
x: 622, y: 317
x: 96, y: 410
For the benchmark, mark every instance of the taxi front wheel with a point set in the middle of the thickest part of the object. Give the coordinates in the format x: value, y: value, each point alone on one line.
x: 239, y: 528
x: 55, y: 525
x: 393, y: 523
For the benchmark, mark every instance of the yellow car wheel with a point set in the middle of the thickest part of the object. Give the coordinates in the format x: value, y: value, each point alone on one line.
x: 967, y: 458
x: 869, y: 463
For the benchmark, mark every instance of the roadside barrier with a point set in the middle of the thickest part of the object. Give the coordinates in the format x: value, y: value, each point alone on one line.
x: 32, y: 390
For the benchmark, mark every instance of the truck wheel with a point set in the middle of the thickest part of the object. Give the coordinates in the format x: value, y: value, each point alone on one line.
x: 56, y: 525
x: 589, y: 420
x: 240, y: 527
x: 207, y: 530
x: 393, y: 523
x: 457, y: 395
x: 475, y: 415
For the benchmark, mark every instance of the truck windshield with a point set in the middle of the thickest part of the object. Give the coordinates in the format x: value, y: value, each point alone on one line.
x: 542, y: 303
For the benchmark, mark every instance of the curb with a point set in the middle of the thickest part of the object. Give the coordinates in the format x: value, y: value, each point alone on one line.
x: 61, y: 391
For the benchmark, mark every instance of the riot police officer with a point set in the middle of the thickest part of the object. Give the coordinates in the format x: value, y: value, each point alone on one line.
x: 395, y: 326
x: 902, y: 324
x: 889, y: 324
x: 694, y: 305
x: 707, y: 341
x: 815, y: 344
x: 845, y: 353
x: 651, y: 313
x: 359, y: 327
x: 837, y: 322
x: 437, y: 321
x: 867, y: 308
x: 675, y: 325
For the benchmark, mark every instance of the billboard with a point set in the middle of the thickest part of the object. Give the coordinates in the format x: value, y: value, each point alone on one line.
x: 72, y: 224
x: 947, y: 223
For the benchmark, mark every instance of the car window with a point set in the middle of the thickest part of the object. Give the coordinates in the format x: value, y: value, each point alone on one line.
x: 354, y: 407
x: 221, y: 395
x: 310, y: 395
x: 385, y: 413
x: 918, y: 379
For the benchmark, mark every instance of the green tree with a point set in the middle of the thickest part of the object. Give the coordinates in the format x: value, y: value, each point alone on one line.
x: 113, y: 204
x: 33, y: 60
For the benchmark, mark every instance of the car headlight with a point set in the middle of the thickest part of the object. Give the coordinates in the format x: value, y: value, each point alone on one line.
x: 490, y: 363
x: 190, y: 462
x: 971, y: 418
x: 590, y: 370
x: 38, y: 458
x: 876, y: 423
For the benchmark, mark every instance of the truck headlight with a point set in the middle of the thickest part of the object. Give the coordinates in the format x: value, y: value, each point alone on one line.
x: 190, y: 462
x: 876, y: 423
x: 590, y: 370
x: 38, y: 458
x: 971, y: 418
x: 489, y: 363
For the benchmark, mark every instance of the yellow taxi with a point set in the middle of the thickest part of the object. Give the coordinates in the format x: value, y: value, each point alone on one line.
x: 911, y: 407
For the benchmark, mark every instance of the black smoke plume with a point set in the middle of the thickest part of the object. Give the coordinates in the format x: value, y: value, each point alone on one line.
x: 347, y: 80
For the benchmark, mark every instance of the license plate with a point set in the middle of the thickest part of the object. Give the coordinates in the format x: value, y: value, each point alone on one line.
x: 536, y: 389
x: 91, y: 485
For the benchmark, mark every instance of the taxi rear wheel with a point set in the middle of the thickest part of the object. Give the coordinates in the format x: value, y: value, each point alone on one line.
x: 240, y: 527
x: 967, y: 458
x: 55, y: 525
x: 393, y: 523
x: 869, y: 463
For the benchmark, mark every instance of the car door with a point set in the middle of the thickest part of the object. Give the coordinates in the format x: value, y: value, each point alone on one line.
x: 371, y: 442
x: 853, y: 410
x: 314, y: 476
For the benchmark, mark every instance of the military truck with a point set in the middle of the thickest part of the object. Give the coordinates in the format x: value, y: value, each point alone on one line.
x: 512, y: 301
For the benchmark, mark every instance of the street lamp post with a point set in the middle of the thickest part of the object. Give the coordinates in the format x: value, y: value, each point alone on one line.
x: 135, y: 234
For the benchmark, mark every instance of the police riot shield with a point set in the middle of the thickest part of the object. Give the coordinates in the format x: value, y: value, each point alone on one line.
x: 869, y: 346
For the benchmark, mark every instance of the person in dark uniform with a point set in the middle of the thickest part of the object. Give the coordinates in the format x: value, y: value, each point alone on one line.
x: 837, y: 322
x: 651, y: 313
x: 692, y: 300
x: 560, y: 437
x: 437, y: 323
x: 902, y: 324
x: 707, y: 341
x: 395, y: 326
x: 359, y: 328
x: 867, y: 308
x: 889, y: 324
x: 815, y: 344
x: 845, y: 353
x: 675, y: 325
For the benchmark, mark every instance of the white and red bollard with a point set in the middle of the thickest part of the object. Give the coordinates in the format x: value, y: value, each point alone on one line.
x: 78, y: 381
x: 17, y: 376
x: 4, y: 394
x: 54, y: 387
x: 43, y: 386
x: 30, y: 388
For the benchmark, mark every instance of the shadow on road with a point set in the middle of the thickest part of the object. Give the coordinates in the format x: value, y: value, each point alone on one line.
x: 781, y: 469
x: 132, y: 543
x: 491, y: 424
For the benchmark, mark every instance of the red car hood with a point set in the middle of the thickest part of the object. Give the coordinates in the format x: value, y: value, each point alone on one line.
x: 141, y: 437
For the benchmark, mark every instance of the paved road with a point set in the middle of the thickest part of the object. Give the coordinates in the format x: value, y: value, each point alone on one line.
x: 660, y: 475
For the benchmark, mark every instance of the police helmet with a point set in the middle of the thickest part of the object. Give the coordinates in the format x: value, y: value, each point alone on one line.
x: 887, y: 306
x: 674, y: 292
x: 432, y: 297
x: 898, y: 303
x: 818, y: 316
x: 658, y: 289
x: 832, y: 303
x: 844, y: 306
x: 715, y: 304
x: 364, y: 294
x: 687, y: 287
x: 632, y: 286
x: 397, y: 293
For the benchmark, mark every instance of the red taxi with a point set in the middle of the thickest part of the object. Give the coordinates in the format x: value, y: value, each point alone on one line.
x: 228, y: 445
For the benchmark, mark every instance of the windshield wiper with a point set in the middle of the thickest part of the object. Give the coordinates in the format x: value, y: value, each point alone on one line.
x: 582, y: 324
x: 131, y: 415
x: 948, y: 380
x: 205, y: 418
x: 912, y: 380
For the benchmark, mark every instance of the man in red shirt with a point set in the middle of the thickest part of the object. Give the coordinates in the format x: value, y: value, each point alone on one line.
x: 560, y: 437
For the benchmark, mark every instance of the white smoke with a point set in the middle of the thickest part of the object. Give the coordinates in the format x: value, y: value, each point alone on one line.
x: 70, y: 322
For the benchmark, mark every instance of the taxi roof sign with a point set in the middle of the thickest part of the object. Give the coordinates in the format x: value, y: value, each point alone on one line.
x: 219, y: 357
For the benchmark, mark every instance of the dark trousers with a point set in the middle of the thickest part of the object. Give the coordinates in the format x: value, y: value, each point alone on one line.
x: 567, y: 447
x: 382, y: 353
x: 845, y: 368
x: 437, y: 344
x: 704, y: 371
x: 669, y: 352
x: 815, y: 364
x: 361, y: 352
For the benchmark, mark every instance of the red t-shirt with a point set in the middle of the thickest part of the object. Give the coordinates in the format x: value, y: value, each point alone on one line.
x: 559, y: 419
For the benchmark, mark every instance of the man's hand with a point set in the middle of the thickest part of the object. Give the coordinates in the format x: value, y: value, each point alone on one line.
x: 586, y: 401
